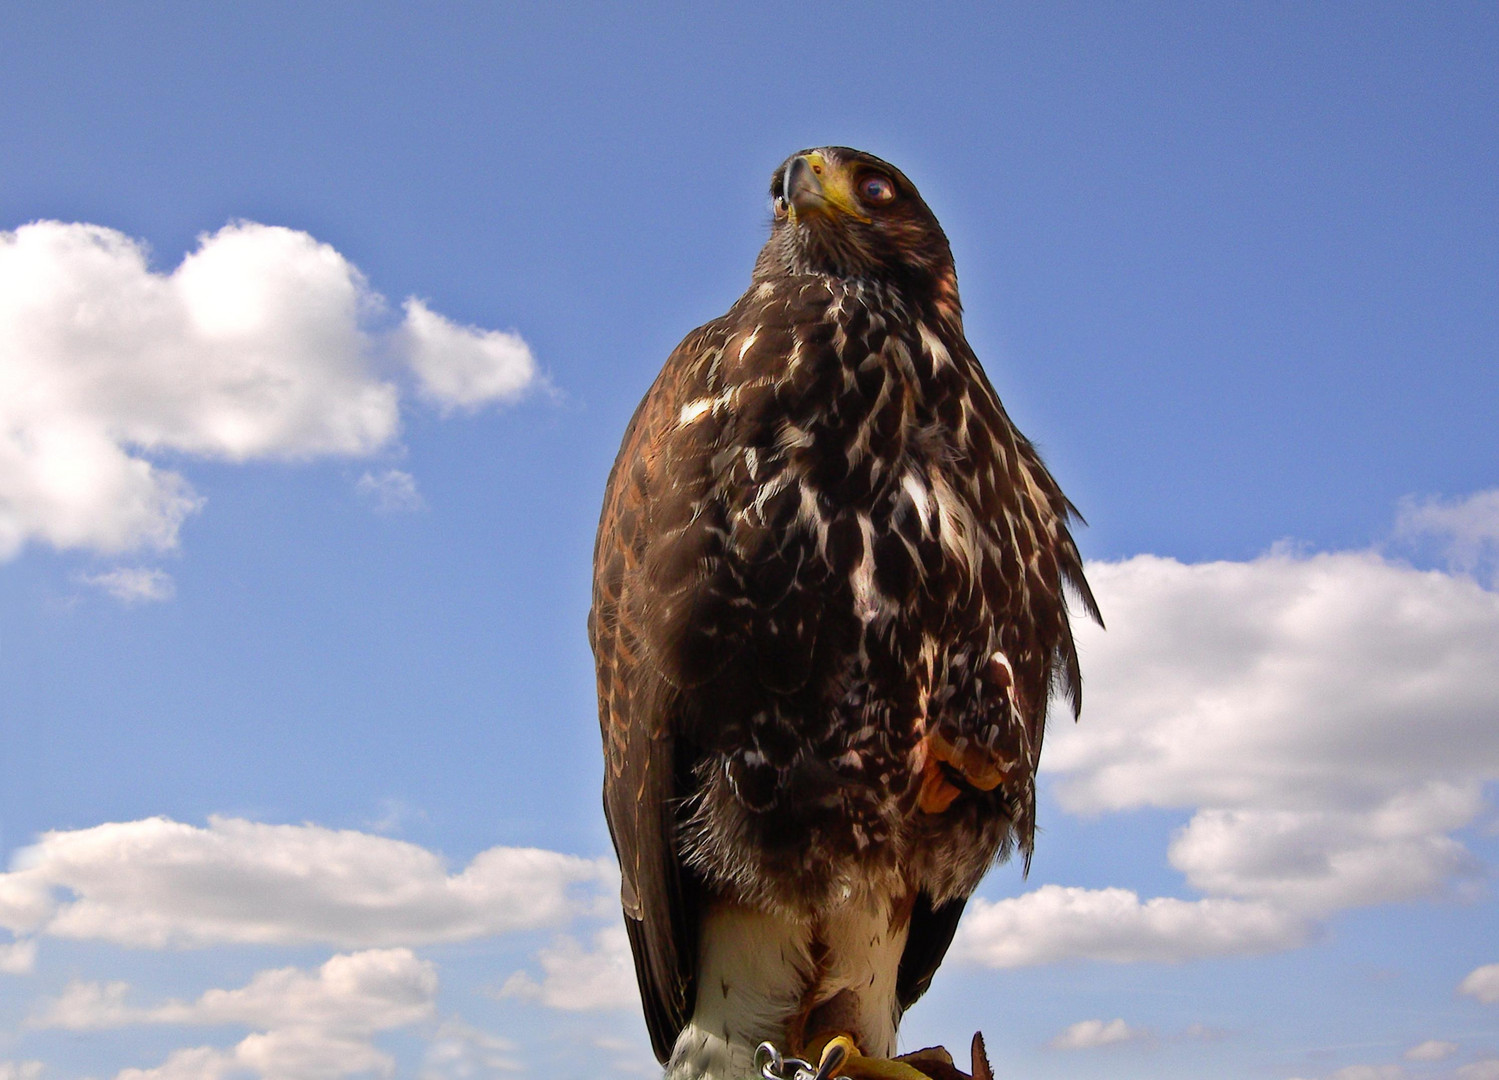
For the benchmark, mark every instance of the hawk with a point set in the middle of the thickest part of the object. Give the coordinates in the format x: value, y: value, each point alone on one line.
x: 829, y: 612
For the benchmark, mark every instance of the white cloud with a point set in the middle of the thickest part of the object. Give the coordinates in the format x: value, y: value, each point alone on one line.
x: 1483, y: 984
x: 1323, y: 861
x: 293, y: 1054
x: 1487, y: 1069
x: 459, y: 1051
x: 1466, y: 529
x: 20, y: 1070
x: 578, y: 978
x: 311, y: 1025
x: 1055, y: 923
x: 1088, y: 1034
x: 1333, y: 682
x: 391, y: 492
x: 464, y: 366
x: 354, y: 994
x: 1431, y: 1050
x: 1329, y: 720
x: 85, y: 1006
x: 17, y: 957
x: 258, y: 346
x: 133, y: 584
x: 158, y: 883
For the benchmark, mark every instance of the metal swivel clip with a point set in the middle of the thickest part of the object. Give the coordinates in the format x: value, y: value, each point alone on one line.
x: 772, y: 1066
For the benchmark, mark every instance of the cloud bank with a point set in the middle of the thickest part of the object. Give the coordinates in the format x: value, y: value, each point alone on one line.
x: 308, y: 1025
x: 1329, y: 720
x: 359, y: 992
x: 1056, y: 923
x: 163, y: 884
x: 263, y: 344
x: 160, y: 883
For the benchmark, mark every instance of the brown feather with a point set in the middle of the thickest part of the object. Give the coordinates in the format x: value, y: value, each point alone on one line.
x: 829, y: 571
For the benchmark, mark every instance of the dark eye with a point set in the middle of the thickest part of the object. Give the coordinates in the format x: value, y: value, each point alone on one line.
x: 780, y: 206
x: 876, y: 190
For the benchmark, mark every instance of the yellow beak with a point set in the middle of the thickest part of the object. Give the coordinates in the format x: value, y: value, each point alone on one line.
x: 813, y: 185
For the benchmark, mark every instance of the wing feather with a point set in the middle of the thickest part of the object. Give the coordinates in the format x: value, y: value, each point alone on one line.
x: 932, y: 930
x: 645, y: 763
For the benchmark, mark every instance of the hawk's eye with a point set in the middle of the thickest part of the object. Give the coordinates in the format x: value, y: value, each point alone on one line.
x: 876, y: 189
x: 780, y: 206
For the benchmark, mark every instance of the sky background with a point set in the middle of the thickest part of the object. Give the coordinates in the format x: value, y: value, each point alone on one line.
x: 308, y: 393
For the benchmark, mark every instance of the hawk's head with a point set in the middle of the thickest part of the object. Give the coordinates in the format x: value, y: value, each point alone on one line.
x: 847, y: 213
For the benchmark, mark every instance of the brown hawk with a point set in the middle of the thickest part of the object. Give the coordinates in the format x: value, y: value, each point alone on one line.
x: 828, y: 615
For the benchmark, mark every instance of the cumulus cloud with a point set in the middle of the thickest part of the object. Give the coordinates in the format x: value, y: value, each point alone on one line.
x: 578, y: 978
x: 1323, y: 861
x: 262, y: 344
x: 1431, y: 1050
x: 1487, y: 1069
x: 133, y: 584
x: 1329, y: 721
x: 295, y: 1054
x: 157, y: 883
x: 1330, y: 682
x: 391, y: 492
x: 1055, y: 923
x: 464, y: 366
x: 1088, y: 1034
x: 1483, y: 984
x: 310, y: 1025
x: 356, y: 993
x: 20, y: 1070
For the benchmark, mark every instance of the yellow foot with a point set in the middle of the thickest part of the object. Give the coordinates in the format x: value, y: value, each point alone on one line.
x: 840, y: 1057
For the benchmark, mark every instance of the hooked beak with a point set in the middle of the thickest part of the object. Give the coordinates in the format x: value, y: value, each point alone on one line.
x: 813, y: 185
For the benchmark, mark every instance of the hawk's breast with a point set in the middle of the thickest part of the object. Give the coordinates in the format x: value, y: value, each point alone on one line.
x: 824, y: 583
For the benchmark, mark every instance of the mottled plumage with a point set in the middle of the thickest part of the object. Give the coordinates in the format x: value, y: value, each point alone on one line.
x: 828, y: 615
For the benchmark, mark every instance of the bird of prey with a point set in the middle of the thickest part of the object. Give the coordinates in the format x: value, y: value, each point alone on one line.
x: 829, y: 611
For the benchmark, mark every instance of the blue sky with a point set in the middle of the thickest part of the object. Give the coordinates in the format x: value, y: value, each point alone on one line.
x: 308, y: 394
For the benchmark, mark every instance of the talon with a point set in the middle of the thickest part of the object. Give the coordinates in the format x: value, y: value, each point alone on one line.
x: 978, y: 768
x: 834, y: 1054
x: 984, y: 776
x: 853, y: 1065
x: 937, y: 793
